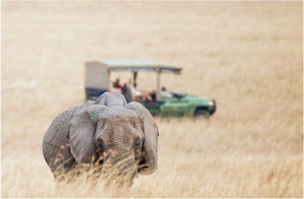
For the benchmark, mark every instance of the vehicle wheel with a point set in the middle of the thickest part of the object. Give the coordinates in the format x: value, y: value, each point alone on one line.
x: 201, y: 113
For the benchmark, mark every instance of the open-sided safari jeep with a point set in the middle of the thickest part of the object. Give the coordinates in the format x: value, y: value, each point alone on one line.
x: 97, y: 81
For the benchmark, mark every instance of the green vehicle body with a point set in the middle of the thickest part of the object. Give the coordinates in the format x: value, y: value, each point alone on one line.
x: 97, y: 81
x: 185, y: 106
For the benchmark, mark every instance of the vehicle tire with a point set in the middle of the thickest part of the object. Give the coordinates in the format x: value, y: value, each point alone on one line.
x: 201, y: 113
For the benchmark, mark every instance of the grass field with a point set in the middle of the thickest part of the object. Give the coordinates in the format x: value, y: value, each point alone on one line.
x: 247, y: 56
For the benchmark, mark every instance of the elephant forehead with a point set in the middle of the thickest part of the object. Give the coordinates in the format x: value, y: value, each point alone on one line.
x: 116, y: 132
x: 125, y: 122
x: 119, y: 122
x: 123, y: 118
x: 118, y: 135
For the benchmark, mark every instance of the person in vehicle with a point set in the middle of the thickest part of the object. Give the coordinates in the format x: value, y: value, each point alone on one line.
x: 113, y: 89
x: 153, y: 95
x: 117, y: 85
x: 127, y: 93
x: 135, y: 93
x: 165, y: 94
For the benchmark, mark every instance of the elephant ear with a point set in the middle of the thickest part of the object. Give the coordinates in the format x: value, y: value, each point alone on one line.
x: 81, y: 134
x: 111, y: 99
x: 149, y: 163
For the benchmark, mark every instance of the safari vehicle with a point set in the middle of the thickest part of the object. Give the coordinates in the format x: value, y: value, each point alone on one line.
x: 97, y: 81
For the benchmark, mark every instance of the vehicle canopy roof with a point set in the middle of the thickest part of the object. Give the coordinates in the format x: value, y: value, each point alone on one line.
x: 135, y: 65
x: 97, y: 72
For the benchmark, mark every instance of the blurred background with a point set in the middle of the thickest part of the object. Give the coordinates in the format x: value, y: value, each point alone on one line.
x: 246, y: 55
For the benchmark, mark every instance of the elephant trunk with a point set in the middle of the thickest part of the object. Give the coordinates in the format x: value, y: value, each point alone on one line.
x: 119, y: 168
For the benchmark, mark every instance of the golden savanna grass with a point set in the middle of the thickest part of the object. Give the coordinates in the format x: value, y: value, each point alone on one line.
x: 246, y: 55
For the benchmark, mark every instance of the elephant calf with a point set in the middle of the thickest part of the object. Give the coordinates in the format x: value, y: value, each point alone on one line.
x: 118, y: 138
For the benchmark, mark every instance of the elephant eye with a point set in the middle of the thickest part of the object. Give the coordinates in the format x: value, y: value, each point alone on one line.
x: 137, y: 143
x: 99, y: 144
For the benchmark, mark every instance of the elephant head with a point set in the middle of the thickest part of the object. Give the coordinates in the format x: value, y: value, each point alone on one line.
x: 119, y: 136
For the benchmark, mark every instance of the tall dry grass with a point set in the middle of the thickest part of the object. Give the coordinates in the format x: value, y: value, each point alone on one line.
x: 247, y: 56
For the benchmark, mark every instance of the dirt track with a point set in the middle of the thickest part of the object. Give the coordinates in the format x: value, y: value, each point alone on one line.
x: 247, y: 56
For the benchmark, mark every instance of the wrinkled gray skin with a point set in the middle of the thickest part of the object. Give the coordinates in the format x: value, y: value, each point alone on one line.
x: 117, y: 138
